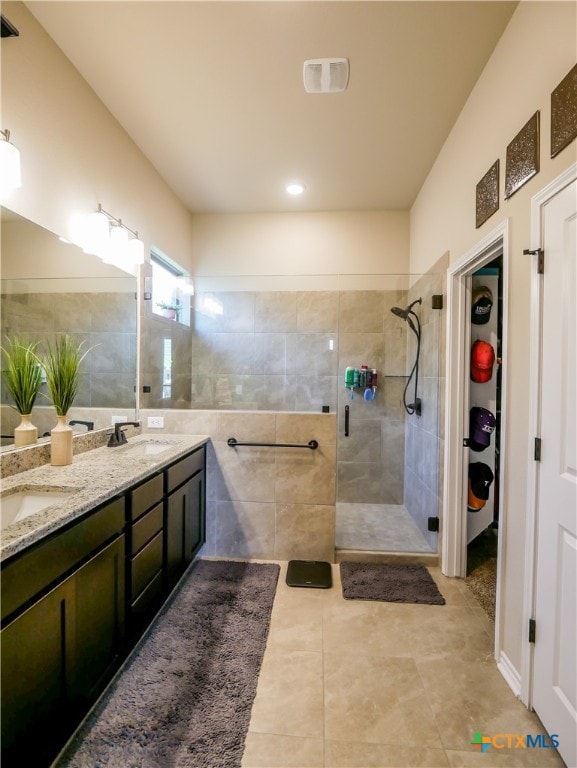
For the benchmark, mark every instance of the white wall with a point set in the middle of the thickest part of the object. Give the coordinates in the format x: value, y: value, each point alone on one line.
x: 537, y: 50
x: 353, y: 242
x: 74, y: 153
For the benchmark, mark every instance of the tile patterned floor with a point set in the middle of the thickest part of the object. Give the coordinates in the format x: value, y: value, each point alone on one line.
x: 355, y: 684
x: 384, y: 527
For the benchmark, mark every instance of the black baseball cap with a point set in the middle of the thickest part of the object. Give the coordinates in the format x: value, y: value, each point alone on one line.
x: 482, y: 303
x: 480, y: 479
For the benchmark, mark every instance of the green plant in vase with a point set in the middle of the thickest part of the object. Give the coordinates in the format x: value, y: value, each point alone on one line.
x: 169, y: 310
x: 23, y: 378
x: 62, y: 361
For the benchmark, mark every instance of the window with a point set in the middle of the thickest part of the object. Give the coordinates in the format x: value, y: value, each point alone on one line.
x: 171, y: 290
x: 167, y: 369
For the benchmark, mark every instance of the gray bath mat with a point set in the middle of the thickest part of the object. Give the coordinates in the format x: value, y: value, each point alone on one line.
x: 185, y: 697
x: 389, y: 583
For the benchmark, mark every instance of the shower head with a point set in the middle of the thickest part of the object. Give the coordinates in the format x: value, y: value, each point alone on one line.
x: 404, y: 313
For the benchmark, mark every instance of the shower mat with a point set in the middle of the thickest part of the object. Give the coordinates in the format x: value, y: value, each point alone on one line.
x: 389, y: 582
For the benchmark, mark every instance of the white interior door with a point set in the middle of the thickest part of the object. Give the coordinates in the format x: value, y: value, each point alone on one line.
x: 554, y: 664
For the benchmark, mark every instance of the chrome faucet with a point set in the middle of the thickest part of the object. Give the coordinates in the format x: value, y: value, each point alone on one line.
x: 118, y: 437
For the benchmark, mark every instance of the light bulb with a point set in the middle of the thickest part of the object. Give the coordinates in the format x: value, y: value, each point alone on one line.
x: 118, y: 246
x: 96, y: 234
x: 296, y: 188
x: 135, y: 251
x: 9, y: 167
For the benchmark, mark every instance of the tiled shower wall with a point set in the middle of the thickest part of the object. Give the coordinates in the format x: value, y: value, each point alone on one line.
x: 424, y: 436
x: 269, y: 503
x: 288, y: 350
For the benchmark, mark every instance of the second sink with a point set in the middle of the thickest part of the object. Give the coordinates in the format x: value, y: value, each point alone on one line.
x: 147, y: 448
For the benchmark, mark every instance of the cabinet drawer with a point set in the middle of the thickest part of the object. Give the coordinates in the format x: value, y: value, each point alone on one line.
x: 38, y: 567
x: 146, y: 564
x: 182, y: 470
x: 145, y: 496
x: 149, y: 598
x: 145, y: 528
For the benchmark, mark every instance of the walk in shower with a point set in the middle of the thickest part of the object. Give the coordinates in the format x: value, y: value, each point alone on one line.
x: 284, y: 343
x: 388, y: 461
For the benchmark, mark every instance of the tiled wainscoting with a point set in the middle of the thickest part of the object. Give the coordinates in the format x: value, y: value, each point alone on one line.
x: 269, y: 503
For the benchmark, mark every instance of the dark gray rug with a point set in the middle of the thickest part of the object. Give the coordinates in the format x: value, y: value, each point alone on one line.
x: 184, y: 699
x: 389, y: 583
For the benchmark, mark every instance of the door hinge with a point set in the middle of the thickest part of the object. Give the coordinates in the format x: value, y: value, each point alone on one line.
x: 540, y: 253
x: 537, y: 450
x: 532, y: 625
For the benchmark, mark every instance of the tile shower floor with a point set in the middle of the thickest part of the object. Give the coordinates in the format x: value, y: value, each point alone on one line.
x: 382, y: 527
x: 366, y: 684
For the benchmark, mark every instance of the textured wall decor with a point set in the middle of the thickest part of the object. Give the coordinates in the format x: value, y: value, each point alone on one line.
x: 522, y: 161
x: 487, y: 195
x: 564, y: 112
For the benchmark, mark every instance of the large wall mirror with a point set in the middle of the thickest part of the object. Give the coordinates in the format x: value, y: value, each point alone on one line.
x: 49, y: 287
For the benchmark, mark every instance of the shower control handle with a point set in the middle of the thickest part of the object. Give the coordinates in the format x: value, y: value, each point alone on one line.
x: 346, y: 420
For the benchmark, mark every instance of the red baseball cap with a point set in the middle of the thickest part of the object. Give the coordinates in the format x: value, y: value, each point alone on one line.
x: 482, y: 361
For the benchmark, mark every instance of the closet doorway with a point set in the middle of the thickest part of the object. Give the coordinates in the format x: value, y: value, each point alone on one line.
x: 472, y: 534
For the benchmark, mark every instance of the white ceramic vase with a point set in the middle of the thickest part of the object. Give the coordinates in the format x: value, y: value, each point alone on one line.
x: 61, y: 442
x: 25, y: 433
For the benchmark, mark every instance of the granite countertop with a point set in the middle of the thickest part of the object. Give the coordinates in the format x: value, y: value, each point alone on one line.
x: 91, y: 479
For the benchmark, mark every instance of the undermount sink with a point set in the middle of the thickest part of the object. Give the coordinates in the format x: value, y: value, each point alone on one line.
x: 21, y: 504
x: 148, y: 448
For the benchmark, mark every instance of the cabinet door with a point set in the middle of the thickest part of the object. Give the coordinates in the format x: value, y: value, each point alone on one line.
x: 175, y: 517
x: 34, y: 698
x: 98, y: 623
x: 184, y: 526
x: 57, y: 657
x: 194, y: 518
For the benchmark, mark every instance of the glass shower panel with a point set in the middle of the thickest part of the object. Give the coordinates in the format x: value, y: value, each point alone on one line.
x: 283, y: 343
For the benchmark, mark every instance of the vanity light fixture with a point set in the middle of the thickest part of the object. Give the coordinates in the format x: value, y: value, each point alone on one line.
x: 112, y: 241
x: 10, y: 177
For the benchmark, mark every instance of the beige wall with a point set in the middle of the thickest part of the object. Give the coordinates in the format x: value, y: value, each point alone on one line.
x: 353, y: 242
x: 536, y: 51
x: 74, y: 153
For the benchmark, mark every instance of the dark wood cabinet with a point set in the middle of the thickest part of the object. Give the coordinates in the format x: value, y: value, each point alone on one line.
x: 99, y: 622
x: 61, y: 649
x: 34, y: 702
x: 74, y: 604
x: 185, y: 515
x: 144, y: 553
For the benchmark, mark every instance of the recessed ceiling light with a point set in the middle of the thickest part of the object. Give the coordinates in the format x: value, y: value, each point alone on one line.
x: 295, y: 188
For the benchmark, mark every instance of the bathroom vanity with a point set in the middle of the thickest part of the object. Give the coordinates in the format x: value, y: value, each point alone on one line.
x: 82, y: 579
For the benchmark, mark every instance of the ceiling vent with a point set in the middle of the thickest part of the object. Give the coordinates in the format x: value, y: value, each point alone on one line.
x: 325, y: 75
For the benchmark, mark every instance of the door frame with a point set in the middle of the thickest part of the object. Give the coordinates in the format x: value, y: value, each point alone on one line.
x: 538, y: 201
x: 454, y: 517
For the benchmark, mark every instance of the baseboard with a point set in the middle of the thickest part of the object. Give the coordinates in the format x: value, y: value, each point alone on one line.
x: 510, y: 673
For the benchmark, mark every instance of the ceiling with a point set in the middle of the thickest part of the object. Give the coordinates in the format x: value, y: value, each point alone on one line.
x: 212, y: 92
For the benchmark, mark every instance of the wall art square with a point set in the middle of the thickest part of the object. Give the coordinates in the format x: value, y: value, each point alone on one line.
x: 564, y: 112
x: 522, y: 160
x: 487, y: 195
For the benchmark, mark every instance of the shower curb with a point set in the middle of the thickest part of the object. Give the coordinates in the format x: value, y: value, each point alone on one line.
x: 367, y: 556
